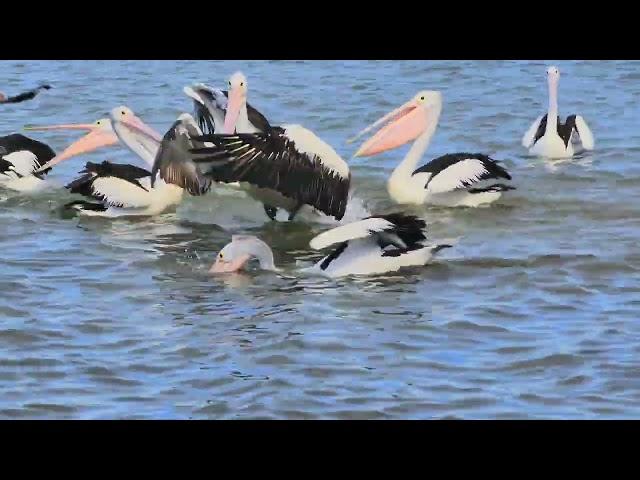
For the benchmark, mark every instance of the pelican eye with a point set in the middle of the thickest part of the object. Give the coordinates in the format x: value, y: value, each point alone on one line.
x: 242, y: 84
x: 422, y: 98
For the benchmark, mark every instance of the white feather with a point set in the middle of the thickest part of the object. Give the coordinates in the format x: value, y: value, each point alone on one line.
x: 365, y: 257
x: 307, y: 142
x: 24, y: 162
x: 586, y: 137
x: 351, y: 231
x: 527, y: 139
x: 453, y: 177
x: 121, y: 192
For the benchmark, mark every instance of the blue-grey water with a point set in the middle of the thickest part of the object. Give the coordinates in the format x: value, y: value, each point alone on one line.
x: 534, y: 314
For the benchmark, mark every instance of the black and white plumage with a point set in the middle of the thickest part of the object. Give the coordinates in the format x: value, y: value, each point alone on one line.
x: 375, y: 245
x: 548, y: 136
x: 116, y: 190
x: 574, y: 129
x: 282, y: 167
x: 24, y: 96
x: 372, y: 246
x: 111, y: 185
x: 463, y: 171
x: 458, y: 179
x: 20, y: 159
x: 291, y: 161
x: 173, y: 161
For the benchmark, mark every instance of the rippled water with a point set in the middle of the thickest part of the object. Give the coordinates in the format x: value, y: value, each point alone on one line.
x: 534, y: 314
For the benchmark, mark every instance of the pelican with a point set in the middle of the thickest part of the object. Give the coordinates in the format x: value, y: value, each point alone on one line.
x: 122, y: 189
x: 210, y: 106
x: 285, y: 167
x: 456, y: 179
x: 375, y: 245
x: 24, y: 96
x: 548, y: 136
x: 20, y: 161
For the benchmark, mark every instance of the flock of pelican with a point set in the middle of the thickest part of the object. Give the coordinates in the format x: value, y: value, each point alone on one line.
x: 288, y: 168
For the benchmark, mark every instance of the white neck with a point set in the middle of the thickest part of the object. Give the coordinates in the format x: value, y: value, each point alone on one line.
x: 143, y: 146
x: 243, y: 125
x: 552, y: 113
x: 264, y: 255
x: 256, y: 248
x: 404, y: 170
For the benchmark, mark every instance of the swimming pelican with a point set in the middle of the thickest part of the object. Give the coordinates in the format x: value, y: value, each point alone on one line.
x: 20, y: 161
x: 547, y: 136
x: 122, y: 189
x: 24, y: 96
x: 375, y: 245
x: 285, y: 167
x: 457, y: 179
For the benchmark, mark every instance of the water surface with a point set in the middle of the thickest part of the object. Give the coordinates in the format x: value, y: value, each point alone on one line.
x: 533, y: 314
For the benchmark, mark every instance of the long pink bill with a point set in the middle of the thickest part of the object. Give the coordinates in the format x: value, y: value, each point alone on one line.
x: 92, y: 141
x: 137, y: 125
x: 234, y: 104
x: 403, y: 125
x: 69, y: 126
x: 221, y: 266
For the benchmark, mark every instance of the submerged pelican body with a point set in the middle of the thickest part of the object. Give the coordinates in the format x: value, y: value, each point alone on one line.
x: 376, y: 245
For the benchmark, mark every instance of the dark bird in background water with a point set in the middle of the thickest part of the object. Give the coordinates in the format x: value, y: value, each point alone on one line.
x: 23, y: 97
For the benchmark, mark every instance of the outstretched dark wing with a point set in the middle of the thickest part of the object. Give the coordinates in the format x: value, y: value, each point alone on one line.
x: 173, y: 161
x: 28, y: 95
x: 272, y: 160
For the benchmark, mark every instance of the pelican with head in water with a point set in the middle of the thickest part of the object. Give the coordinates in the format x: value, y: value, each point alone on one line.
x: 548, y: 136
x: 457, y: 179
x: 375, y: 245
x: 284, y: 167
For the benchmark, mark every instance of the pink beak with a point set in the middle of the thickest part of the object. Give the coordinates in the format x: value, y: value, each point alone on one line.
x: 69, y: 126
x: 403, y: 125
x: 134, y: 123
x: 234, y: 104
x: 98, y: 137
x: 222, y: 266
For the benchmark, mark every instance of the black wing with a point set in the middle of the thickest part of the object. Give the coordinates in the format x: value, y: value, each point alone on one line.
x: 566, y: 130
x: 409, y: 228
x: 257, y: 119
x: 28, y: 95
x: 271, y: 160
x: 17, y: 142
x: 542, y: 127
x: 491, y: 168
x: 206, y: 122
x: 173, y: 161
x: 83, y: 185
